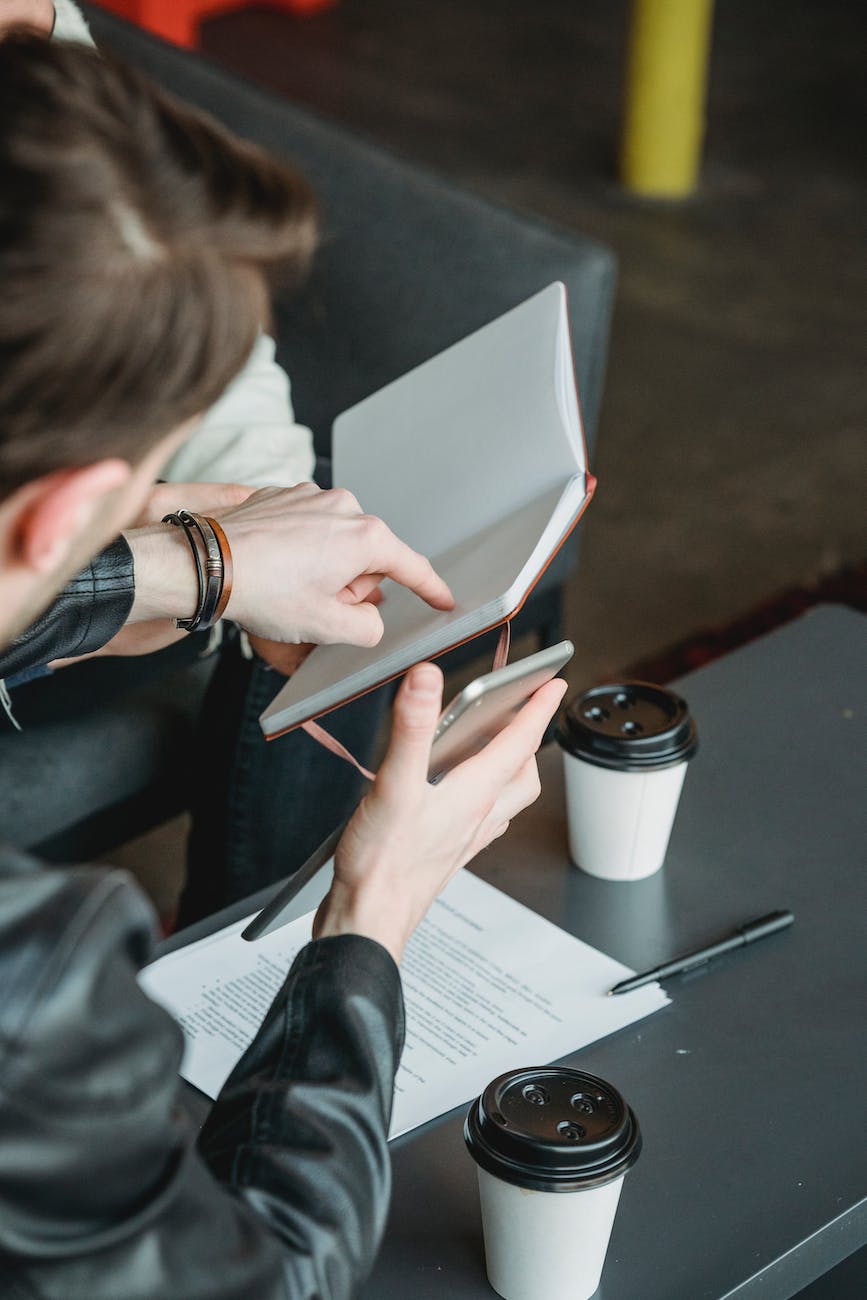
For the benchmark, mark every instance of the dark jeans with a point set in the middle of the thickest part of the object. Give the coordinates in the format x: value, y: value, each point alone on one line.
x: 261, y: 808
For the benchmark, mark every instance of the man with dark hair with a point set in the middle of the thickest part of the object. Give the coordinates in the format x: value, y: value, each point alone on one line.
x: 260, y: 810
x: 106, y: 1193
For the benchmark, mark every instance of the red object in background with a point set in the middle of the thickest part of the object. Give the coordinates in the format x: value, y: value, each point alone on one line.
x: 178, y: 20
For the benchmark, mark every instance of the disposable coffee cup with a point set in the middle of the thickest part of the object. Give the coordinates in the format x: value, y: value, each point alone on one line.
x: 552, y: 1147
x: 625, y: 753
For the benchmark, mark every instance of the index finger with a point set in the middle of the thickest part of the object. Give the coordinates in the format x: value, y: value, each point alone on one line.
x: 391, y: 557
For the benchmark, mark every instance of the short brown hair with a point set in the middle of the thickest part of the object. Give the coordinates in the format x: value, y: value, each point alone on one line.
x: 135, y: 234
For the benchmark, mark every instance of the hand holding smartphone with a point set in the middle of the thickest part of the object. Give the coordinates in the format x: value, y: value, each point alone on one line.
x: 473, y: 718
x: 488, y: 704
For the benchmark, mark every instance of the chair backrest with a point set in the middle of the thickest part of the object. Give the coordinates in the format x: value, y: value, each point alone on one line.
x: 408, y: 263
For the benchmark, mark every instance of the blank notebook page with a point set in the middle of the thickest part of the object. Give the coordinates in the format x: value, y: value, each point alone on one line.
x: 467, y: 437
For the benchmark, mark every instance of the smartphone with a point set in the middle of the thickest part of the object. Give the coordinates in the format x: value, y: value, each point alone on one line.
x: 488, y: 704
x: 473, y: 718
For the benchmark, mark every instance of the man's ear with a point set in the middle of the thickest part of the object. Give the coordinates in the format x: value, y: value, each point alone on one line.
x: 61, y: 509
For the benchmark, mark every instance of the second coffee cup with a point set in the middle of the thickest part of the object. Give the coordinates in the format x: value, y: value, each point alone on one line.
x: 625, y: 752
x: 552, y: 1146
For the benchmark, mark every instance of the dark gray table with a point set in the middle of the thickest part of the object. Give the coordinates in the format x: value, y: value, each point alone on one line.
x: 751, y: 1086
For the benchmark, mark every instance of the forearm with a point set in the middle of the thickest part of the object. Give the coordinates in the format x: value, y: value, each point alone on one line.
x: 308, y: 1106
x: 166, y: 585
x: 306, y: 567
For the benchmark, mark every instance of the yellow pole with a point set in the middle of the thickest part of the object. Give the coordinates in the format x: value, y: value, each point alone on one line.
x: 666, y: 79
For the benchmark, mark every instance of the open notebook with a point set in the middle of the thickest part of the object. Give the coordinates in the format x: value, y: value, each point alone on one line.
x: 477, y: 459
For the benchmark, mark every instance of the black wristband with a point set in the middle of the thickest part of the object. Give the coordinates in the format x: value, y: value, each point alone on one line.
x: 210, y: 569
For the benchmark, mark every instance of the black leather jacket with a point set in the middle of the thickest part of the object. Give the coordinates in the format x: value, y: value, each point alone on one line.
x: 106, y: 1193
x: 84, y: 617
x: 106, y: 1190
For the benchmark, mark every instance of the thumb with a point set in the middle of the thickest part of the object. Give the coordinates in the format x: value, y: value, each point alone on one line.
x: 417, y: 709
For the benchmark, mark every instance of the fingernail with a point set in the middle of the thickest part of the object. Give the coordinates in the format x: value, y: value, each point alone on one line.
x: 424, y: 680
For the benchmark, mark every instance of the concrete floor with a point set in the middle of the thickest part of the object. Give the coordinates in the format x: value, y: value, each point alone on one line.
x: 731, y: 457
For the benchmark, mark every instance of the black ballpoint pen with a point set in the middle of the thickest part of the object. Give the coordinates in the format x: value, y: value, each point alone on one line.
x: 744, y: 934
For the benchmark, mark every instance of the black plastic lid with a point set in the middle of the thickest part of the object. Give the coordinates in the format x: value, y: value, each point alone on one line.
x: 631, y: 727
x: 552, y: 1130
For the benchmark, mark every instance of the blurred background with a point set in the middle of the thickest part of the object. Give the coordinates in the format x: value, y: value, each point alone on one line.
x: 731, y: 454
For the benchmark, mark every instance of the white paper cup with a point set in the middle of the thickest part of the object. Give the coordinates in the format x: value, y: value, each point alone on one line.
x: 620, y: 822
x: 625, y: 754
x: 552, y: 1147
x: 544, y: 1244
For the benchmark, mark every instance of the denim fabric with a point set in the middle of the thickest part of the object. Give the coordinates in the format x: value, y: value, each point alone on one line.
x: 97, y: 731
x: 93, y: 736
x: 28, y: 675
x: 261, y: 808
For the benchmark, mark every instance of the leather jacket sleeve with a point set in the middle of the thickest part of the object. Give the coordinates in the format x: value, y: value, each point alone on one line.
x: 105, y: 1190
x: 89, y: 611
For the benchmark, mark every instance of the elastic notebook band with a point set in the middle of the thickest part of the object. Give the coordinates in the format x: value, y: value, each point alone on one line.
x: 333, y: 745
x: 329, y: 742
x: 501, y: 654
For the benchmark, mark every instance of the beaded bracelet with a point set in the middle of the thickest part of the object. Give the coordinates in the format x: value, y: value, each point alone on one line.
x: 213, y: 559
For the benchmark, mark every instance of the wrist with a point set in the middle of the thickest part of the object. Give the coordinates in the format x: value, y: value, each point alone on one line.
x: 166, y: 583
x: 356, y: 911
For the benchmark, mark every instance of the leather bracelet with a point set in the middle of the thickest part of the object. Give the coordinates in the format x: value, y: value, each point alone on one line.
x: 206, y: 613
x: 228, y: 568
x: 189, y: 624
x: 213, y: 560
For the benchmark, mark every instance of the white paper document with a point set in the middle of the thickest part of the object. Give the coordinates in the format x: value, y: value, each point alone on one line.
x: 488, y: 984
